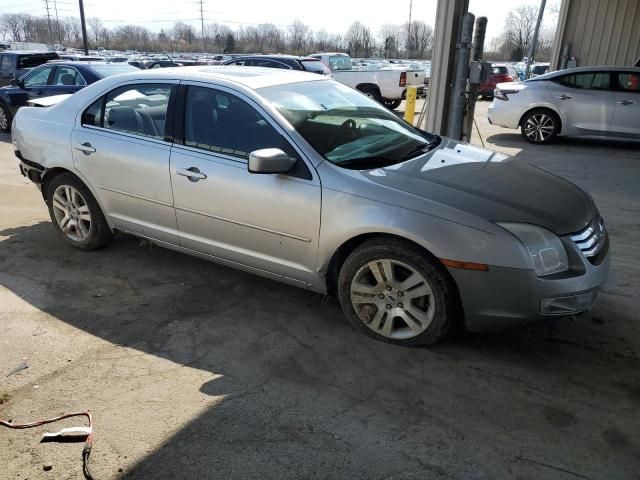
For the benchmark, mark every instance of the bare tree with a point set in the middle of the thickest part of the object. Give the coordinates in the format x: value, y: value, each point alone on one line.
x: 359, y: 40
x: 96, y: 26
x: 12, y: 25
x: 519, y: 27
x: 299, y: 34
x: 390, y: 37
x: 418, y: 39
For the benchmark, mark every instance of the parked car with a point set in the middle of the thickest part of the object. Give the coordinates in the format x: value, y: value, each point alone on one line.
x: 52, y: 79
x: 81, y: 58
x: 299, y: 178
x: 14, y: 64
x: 285, y: 62
x: 385, y: 85
x: 500, y: 73
x: 154, y: 63
x: 538, y: 69
x: 586, y: 101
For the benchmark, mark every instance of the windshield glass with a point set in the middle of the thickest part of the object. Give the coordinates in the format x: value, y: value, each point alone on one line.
x: 107, y: 70
x: 33, y: 60
x: 340, y: 62
x: 346, y: 127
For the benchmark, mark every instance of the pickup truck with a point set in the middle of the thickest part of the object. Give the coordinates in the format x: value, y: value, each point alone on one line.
x: 385, y: 85
x: 14, y: 64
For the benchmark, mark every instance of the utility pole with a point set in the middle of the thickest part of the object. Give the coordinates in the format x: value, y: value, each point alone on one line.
x: 534, y: 41
x: 85, y: 45
x: 409, y: 41
x: 204, y: 42
x: 46, y: 3
x: 55, y: 6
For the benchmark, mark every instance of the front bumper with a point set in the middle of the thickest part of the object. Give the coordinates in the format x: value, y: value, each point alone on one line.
x: 508, y: 297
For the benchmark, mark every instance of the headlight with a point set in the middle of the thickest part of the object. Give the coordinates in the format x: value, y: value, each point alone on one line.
x: 544, y: 247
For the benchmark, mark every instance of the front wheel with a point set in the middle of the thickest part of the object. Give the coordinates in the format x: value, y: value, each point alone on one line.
x: 540, y: 126
x: 76, y: 214
x: 5, y: 118
x: 393, y: 291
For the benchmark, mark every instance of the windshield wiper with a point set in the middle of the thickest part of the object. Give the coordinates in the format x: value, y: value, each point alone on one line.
x: 421, y: 149
x: 366, y: 163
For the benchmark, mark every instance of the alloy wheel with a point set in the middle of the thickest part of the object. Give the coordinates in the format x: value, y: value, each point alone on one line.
x: 539, y: 127
x: 72, y: 213
x: 392, y: 299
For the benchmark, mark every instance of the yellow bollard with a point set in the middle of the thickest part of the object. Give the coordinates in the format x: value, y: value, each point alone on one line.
x: 410, y: 106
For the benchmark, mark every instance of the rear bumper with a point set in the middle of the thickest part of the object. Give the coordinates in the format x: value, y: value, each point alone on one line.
x: 506, y: 297
x: 503, y: 114
x: 32, y: 170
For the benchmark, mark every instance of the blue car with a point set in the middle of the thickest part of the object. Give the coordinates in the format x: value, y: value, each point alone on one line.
x: 54, y: 78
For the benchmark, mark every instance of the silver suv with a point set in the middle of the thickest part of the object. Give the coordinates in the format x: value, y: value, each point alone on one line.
x: 298, y: 178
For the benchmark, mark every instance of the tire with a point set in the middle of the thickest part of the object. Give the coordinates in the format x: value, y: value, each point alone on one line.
x: 379, y: 306
x: 75, y: 213
x: 5, y: 118
x: 392, y: 104
x: 372, y: 93
x: 540, y: 126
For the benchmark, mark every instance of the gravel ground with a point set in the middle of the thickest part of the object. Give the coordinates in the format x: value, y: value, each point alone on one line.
x: 193, y: 370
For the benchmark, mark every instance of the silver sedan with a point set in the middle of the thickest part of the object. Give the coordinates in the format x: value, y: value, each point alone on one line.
x: 301, y: 179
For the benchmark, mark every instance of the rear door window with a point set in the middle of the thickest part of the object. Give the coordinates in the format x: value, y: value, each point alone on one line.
x: 67, y: 76
x: 587, y: 81
x: 139, y: 109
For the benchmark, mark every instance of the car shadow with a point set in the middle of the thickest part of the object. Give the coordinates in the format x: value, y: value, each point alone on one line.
x: 514, y: 140
x: 304, y: 396
x: 5, y: 137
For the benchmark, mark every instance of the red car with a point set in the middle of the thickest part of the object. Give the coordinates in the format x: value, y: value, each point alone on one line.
x: 500, y: 73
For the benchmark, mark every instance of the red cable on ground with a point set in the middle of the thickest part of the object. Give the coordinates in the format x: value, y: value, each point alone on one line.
x: 86, y: 451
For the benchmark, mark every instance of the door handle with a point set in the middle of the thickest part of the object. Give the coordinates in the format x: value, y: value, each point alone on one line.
x: 85, y: 148
x: 192, y: 173
x: 626, y: 102
x: 563, y: 97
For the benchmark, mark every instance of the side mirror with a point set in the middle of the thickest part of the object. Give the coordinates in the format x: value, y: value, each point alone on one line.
x: 270, y: 160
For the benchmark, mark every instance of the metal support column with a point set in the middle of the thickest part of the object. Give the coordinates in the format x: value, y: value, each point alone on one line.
x: 447, y: 30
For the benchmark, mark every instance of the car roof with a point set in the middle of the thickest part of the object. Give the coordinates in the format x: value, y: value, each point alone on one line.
x: 250, y: 77
x: 600, y: 68
x: 29, y: 52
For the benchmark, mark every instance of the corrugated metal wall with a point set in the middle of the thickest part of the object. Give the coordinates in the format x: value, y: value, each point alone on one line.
x: 599, y: 32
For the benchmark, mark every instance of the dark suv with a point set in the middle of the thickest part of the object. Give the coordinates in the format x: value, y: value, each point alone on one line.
x: 287, y: 62
x: 14, y: 65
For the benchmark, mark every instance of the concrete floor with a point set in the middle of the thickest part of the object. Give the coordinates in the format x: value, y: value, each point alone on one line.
x: 193, y: 370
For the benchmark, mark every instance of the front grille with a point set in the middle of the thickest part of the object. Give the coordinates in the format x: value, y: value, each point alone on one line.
x: 591, y: 240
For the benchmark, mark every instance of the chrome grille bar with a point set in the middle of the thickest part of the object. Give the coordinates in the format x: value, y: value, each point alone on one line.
x: 591, y: 239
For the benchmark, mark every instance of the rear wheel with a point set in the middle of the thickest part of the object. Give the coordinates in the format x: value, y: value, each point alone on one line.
x: 371, y: 92
x: 76, y: 214
x: 392, y: 104
x: 5, y: 118
x: 393, y: 291
x: 540, y: 126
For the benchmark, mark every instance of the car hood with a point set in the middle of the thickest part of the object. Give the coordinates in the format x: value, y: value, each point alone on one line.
x: 490, y: 185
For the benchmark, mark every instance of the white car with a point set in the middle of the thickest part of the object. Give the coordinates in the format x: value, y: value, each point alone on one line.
x: 585, y: 101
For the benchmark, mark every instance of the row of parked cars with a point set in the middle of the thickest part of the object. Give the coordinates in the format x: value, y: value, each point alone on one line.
x: 28, y: 76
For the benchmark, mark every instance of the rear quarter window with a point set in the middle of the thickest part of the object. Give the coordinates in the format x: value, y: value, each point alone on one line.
x: 316, y: 66
x: 30, y: 61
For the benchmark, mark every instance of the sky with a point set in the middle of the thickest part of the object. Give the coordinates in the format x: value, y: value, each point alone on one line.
x: 334, y: 16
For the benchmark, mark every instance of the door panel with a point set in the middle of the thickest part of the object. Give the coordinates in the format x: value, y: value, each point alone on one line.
x: 626, y: 117
x: 120, y: 148
x: 131, y: 177
x: 584, y: 101
x: 268, y: 222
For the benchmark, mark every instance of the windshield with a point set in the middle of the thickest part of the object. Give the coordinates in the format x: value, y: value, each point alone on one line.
x: 109, y: 69
x: 346, y: 127
x: 340, y: 62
